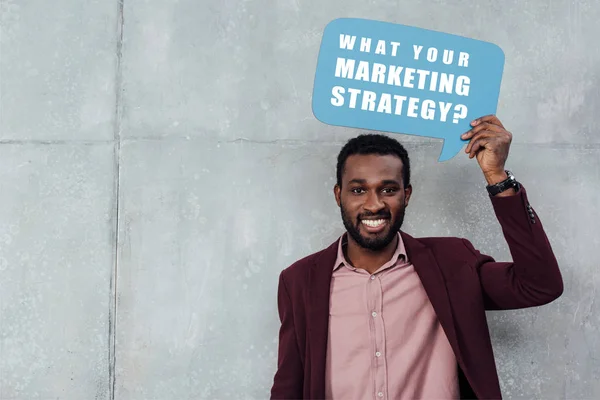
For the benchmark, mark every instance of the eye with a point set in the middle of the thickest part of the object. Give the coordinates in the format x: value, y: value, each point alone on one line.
x: 390, y: 190
x: 357, y: 190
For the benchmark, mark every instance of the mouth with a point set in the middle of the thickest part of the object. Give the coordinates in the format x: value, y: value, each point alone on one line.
x: 374, y: 225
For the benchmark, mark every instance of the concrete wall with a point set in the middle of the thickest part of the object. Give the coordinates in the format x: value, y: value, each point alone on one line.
x: 160, y: 164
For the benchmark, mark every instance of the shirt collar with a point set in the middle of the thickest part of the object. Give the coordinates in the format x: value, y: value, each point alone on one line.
x: 343, y: 242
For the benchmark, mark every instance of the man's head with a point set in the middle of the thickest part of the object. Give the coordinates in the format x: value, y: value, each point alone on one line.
x: 373, y: 189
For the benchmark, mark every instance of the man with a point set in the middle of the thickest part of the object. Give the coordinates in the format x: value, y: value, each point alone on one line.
x: 382, y: 315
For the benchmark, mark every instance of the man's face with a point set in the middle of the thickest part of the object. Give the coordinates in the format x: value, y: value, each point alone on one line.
x: 372, y: 199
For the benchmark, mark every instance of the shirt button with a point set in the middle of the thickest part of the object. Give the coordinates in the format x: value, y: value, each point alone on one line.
x: 378, y: 354
x: 372, y: 277
x: 374, y: 314
x: 380, y: 394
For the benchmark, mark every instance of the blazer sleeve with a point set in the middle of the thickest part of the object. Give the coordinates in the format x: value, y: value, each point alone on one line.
x: 288, y: 380
x: 533, y: 278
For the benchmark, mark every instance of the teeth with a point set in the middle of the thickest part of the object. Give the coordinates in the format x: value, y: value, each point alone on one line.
x: 373, y: 223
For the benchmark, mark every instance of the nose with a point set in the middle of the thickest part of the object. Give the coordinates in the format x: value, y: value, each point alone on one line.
x: 373, y: 203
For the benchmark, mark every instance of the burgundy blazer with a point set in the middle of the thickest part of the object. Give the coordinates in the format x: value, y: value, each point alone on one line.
x: 461, y: 283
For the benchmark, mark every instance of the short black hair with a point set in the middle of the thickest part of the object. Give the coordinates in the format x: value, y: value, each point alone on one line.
x: 372, y: 143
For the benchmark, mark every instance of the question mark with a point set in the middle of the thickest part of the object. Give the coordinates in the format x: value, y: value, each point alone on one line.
x: 459, y: 114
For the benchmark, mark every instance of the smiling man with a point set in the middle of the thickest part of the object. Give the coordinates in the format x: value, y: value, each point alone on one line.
x: 382, y: 315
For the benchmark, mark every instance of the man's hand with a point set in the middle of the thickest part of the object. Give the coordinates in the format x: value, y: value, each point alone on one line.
x: 490, y: 143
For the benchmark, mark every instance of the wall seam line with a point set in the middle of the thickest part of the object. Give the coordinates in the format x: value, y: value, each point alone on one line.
x: 117, y: 179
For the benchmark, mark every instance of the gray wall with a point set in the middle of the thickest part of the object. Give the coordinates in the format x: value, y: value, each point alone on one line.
x: 153, y: 184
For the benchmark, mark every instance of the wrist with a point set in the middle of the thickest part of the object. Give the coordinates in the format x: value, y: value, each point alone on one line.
x: 495, y: 177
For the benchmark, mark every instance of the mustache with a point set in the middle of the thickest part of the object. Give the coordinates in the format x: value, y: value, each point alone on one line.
x: 381, y: 215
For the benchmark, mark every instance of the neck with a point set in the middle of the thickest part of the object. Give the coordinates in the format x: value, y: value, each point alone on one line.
x: 369, y: 260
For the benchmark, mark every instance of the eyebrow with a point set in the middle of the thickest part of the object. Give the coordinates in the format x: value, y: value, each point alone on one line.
x: 385, y: 182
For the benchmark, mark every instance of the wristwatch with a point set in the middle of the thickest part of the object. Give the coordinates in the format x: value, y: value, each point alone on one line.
x: 506, y: 184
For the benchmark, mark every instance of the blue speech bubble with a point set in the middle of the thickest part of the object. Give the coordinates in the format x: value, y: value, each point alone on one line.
x: 402, y: 79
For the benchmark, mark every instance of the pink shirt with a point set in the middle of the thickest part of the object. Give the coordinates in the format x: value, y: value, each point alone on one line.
x: 385, y: 341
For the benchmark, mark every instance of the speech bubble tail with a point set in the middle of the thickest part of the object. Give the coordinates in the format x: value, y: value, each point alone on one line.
x: 450, y: 149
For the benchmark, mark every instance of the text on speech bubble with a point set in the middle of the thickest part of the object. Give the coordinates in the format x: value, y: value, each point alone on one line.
x: 399, y: 76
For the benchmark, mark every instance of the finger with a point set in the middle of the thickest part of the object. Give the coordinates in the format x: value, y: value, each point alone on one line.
x: 488, y: 118
x: 486, y: 137
x: 478, y: 145
x: 479, y: 135
x: 499, y: 133
x: 480, y: 127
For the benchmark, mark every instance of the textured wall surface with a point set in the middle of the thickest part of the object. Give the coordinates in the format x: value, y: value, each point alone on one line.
x: 160, y: 165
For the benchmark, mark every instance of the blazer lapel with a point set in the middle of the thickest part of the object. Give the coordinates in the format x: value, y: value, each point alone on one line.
x: 319, y: 292
x: 433, y: 281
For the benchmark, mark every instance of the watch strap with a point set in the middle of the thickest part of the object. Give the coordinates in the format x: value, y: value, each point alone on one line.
x: 506, y: 184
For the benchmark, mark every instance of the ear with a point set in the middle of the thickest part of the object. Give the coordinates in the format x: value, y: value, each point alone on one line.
x: 337, y: 193
x: 407, y: 194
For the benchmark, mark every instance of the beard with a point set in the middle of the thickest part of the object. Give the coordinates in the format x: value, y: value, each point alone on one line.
x: 382, y: 239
